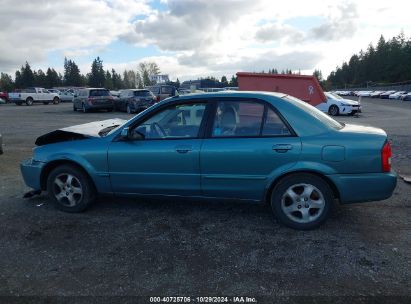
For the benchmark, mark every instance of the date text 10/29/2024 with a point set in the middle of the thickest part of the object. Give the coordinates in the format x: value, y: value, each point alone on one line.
x: 203, y: 300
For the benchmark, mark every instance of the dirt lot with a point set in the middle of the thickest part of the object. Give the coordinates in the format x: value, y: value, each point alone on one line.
x: 189, y: 248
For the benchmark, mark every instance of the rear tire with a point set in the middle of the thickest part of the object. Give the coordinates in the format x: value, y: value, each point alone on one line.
x: 70, y: 189
x: 29, y: 101
x: 334, y: 110
x: 302, y: 201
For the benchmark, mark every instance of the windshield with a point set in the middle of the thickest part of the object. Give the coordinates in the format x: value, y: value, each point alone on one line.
x: 332, y: 95
x: 313, y: 111
x: 146, y: 93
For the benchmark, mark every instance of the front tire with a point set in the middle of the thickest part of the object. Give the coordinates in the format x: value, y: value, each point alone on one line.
x: 334, y: 110
x: 302, y: 201
x: 70, y: 189
x: 56, y: 100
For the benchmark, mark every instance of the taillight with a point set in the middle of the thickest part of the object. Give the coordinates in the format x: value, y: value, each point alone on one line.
x: 386, y: 154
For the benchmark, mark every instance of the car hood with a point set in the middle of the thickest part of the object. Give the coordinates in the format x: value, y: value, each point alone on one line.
x: 78, y: 132
x: 350, y: 102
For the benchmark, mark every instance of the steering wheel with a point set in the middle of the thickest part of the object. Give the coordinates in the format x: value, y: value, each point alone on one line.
x: 159, y: 129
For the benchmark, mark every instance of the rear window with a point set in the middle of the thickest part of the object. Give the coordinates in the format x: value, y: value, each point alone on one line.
x: 313, y: 111
x: 99, y: 93
x: 143, y: 93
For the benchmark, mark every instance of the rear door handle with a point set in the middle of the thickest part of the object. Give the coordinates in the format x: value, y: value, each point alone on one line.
x: 282, y: 148
x: 183, y: 149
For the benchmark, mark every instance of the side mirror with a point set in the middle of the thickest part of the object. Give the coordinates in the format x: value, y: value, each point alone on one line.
x: 125, y: 133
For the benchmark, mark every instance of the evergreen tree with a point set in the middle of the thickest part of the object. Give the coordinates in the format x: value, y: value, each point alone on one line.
x: 40, y: 79
x: 387, y: 62
x: 96, y: 78
x: 6, y: 82
x: 27, y: 76
x: 52, y: 78
x: 108, y: 83
x: 234, y: 81
x: 72, y: 76
x: 224, y: 81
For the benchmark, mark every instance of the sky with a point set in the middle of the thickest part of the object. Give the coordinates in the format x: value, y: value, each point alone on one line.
x: 189, y: 39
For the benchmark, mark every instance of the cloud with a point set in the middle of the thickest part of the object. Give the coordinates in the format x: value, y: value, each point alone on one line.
x: 32, y: 29
x: 343, y: 25
x: 196, y: 38
x: 188, y: 24
x: 275, y: 32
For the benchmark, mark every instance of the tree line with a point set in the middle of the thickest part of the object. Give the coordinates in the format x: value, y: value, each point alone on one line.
x: 387, y: 62
x: 72, y: 77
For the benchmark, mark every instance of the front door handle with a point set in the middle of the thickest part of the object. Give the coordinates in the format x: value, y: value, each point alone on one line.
x: 183, y: 149
x: 282, y: 148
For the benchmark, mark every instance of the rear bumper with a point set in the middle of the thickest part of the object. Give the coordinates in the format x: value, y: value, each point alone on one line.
x: 31, y: 171
x: 103, y: 106
x: 355, y: 188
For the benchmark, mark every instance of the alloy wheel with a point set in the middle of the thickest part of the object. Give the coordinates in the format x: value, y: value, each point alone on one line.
x: 67, y: 189
x: 303, y: 203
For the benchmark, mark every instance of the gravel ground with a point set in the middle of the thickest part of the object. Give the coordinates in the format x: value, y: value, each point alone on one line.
x: 123, y: 247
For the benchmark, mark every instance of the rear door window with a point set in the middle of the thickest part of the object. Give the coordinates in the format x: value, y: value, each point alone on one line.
x: 247, y: 119
x: 238, y: 119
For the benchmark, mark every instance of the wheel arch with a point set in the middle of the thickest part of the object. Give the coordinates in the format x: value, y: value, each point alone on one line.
x: 56, y: 163
x: 330, y: 183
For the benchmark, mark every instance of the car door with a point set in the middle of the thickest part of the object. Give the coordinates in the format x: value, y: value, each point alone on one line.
x: 46, y: 95
x: 166, y: 160
x: 247, y: 141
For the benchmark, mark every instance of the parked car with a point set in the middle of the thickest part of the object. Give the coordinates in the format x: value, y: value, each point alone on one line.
x: 54, y: 91
x: 134, y: 100
x: 376, y: 94
x: 364, y: 93
x: 67, y: 95
x: 1, y: 144
x: 343, y: 93
x: 33, y: 95
x: 337, y: 105
x: 5, y: 96
x: 162, y: 91
x: 396, y: 95
x: 406, y: 97
x: 93, y: 99
x: 386, y: 94
x: 253, y: 146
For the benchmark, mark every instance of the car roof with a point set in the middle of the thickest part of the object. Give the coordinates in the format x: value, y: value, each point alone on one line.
x: 239, y: 94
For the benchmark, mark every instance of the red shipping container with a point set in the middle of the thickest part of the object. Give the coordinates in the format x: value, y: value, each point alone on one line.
x: 304, y: 87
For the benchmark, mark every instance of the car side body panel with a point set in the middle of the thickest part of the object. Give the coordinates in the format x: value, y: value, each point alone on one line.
x: 243, y: 168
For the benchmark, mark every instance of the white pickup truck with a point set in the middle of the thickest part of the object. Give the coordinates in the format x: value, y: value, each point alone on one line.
x: 32, y: 95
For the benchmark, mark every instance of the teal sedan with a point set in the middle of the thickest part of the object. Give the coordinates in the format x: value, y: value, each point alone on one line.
x: 250, y: 146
